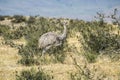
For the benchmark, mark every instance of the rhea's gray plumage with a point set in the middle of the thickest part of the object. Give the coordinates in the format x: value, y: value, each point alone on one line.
x: 49, y: 39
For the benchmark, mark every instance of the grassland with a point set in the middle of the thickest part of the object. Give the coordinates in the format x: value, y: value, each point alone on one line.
x: 90, y: 52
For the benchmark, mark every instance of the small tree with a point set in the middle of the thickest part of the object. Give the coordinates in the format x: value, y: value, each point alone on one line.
x: 116, y: 19
x: 100, y: 17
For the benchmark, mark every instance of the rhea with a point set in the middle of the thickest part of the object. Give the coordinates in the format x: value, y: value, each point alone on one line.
x: 50, y: 39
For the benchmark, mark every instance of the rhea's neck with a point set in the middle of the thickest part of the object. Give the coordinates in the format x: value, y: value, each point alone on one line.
x: 63, y: 35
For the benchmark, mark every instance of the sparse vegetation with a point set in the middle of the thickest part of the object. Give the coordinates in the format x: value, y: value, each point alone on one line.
x: 98, y: 38
x: 92, y: 32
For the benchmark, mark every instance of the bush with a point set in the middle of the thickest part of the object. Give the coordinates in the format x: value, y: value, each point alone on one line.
x: 91, y: 57
x: 2, y: 18
x: 4, y: 30
x: 8, y: 34
x: 99, y: 38
x: 27, y: 54
x: 33, y: 75
x: 104, y: 41
x: 19, y: 19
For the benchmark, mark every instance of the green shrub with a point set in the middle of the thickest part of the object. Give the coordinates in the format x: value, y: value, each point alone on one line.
x: 4, y: 30
x: 2, y: 18
x: 10, y: 35
x: 19, y: 19
x: 103, y: 41
x: 28, y: 61
x: 33, y: 75
x: 99, y: 38
x: 27, y: 54
x: 91, y: 57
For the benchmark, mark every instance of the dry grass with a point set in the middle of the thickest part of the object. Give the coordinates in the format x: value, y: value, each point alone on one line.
x: 107, y: 67
x: 9, y: 65
x: 20, y: 41
x: 8, y: 60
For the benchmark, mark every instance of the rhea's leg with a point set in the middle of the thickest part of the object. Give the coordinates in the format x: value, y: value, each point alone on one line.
x: 45, y: 49
x: 48, y: 47
x: 43, y: 52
